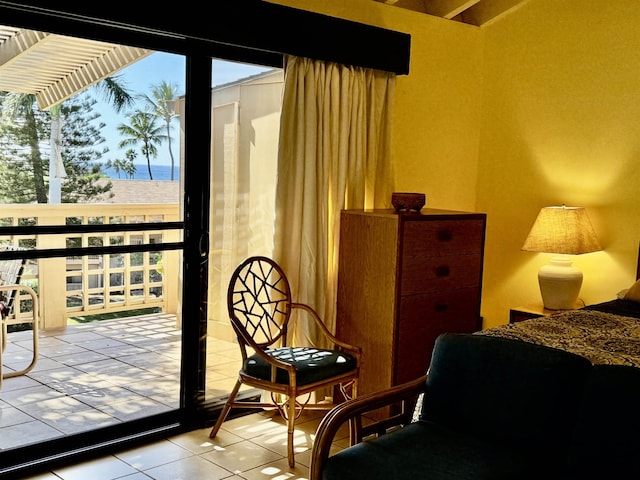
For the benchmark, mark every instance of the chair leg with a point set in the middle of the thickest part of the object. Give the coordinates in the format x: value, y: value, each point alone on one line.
x: 4, y: 335
x: 349, y: 390
x: 225, y: 410
x: 291, y: 424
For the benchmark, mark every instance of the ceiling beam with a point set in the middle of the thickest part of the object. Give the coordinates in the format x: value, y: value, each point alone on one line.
x: 415, y: 5
x: 472, y: 12
x: 448, y: 8
x: 488, y: 11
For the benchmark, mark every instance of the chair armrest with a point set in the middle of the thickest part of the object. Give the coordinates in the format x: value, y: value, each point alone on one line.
x: 354, y: 350
x: 362, y: 427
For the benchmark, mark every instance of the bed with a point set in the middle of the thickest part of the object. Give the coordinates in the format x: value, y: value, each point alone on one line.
x: 604, y: 333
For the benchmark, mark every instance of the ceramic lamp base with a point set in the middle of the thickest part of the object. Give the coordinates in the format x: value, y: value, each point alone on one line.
x: 560, y: 284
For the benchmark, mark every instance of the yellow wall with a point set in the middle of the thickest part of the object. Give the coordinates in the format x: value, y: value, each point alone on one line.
x: 540, y: 108
x: 560, y: 124
x: 436, y: 119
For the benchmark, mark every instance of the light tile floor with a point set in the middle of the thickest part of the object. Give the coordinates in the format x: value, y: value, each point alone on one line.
x: 251, y: 447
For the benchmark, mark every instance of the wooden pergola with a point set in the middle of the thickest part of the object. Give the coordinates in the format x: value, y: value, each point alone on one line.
x: 55, y: 67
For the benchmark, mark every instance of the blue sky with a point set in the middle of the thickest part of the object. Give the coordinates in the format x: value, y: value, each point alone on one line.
x: 152, y: 70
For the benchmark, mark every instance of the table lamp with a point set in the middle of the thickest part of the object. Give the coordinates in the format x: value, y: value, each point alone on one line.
x: 562, y: 231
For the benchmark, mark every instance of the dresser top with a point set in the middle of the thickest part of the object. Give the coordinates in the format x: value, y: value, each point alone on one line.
x: 424, y: 214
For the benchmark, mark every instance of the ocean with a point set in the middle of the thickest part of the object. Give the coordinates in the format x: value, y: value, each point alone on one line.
x: 159, y: 172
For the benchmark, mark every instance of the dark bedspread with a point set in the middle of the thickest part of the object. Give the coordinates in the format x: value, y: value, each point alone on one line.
x: 604, y: 333
x: 625, y: 308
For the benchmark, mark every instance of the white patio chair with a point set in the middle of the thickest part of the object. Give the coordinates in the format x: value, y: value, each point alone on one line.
x: 11, y: 309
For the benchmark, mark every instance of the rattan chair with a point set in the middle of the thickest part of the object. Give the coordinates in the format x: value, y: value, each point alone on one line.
x: 260, y: 307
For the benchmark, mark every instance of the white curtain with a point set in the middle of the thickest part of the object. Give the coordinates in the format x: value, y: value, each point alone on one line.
x: 333, y: 154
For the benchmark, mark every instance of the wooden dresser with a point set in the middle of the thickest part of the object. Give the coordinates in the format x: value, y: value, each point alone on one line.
x: 403, y: 279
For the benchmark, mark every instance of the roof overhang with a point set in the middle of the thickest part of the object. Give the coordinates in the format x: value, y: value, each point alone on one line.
x: 56, y: 67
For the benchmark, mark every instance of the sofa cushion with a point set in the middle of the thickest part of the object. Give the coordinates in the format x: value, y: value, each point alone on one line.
x: 505, y: 391
x: 605, y: 443
x: 423, y: 450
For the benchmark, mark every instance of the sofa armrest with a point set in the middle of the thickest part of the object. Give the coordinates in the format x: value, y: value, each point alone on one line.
x: 362, y: 426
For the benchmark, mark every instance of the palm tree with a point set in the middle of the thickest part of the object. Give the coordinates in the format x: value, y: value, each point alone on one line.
x: 161, y: 102
x: 114, y: 92
x: 126, y: 166
x: 142, y: 129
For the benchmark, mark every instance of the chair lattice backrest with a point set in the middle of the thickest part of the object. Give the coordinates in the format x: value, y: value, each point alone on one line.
x: 10, y: 272
x: 259, y: 302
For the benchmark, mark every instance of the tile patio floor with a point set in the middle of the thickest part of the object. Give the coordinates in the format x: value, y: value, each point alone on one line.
x: 100, y: 373
x: 96, y: 374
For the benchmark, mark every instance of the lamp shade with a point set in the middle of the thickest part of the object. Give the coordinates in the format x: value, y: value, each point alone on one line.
x: 562, y: 230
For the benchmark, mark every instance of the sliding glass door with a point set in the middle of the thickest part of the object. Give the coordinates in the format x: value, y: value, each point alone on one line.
x: 126, y: 244
x: 91, y: 234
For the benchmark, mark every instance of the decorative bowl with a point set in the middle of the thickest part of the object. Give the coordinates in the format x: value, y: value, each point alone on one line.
x: 406, y: 201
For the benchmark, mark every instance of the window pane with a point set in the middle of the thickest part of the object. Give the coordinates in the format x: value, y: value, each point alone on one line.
x: 246, y: 115
x: 83, y: 164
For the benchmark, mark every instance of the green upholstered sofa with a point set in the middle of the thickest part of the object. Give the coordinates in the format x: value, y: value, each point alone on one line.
x: 490, y: 408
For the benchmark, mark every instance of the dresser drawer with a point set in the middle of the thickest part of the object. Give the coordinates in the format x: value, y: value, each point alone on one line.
x: 437, y: 274
x: 423, y: 318
x: 442, y: 237
x: 455, y: 310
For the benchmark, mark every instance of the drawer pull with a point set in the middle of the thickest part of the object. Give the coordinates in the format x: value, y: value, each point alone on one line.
x: 445, y: 235
x: 441, y: 307
x: 443, y: 271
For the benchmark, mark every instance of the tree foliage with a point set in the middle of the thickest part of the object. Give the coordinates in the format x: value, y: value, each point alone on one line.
x: 114, y: 91
x: 25, y: 136
x: 25, y: 152
x: 81, y: 151
x: 22, y: 129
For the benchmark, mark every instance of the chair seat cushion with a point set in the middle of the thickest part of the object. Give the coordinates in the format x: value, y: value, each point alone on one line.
x: 424, y: 450
x: 312, y: 364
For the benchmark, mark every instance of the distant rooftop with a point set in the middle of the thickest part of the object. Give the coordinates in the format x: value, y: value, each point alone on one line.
x: 142, y: 191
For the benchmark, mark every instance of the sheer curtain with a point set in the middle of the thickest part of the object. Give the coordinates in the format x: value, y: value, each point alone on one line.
x: 333, y: 154
x: 244, y: 149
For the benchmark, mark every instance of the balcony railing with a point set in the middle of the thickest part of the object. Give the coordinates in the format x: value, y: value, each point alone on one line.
x: 96, y: 284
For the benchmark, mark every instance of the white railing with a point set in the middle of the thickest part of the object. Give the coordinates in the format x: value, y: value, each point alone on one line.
x: 104, y: 283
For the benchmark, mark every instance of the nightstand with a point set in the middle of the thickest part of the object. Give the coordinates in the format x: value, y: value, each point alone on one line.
x: 532, y: 311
